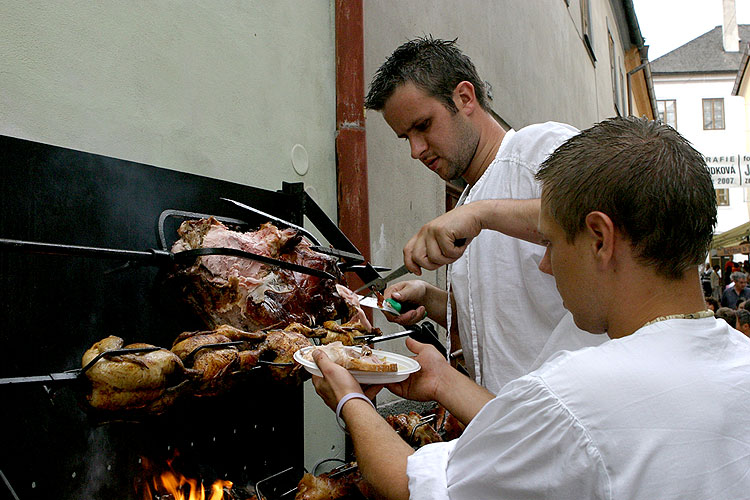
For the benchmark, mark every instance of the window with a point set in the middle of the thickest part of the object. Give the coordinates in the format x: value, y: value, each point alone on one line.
x: 613, y: 71
x: 713, y: 114
x: 586, y: 28
x: 667, y: 112
x: 722, y: 197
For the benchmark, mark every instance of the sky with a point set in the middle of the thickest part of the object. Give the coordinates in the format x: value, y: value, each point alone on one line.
x: 668, y: 24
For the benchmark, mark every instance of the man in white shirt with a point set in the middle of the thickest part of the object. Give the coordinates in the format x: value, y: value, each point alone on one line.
x: 659, y: 411
x: 506, y: 311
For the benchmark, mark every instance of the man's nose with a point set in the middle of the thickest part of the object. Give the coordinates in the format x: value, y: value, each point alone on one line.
x: 418, y: 147
x: 545, y: 265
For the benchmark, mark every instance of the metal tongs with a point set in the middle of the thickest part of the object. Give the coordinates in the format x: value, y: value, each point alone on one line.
x: 424, y: 332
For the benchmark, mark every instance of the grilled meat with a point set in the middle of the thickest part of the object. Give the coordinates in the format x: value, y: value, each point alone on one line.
x: 151, y: 381
x: 213, y: 363
x: 250, y: 295
x: 330, y: 486
x: 353, y: 359
x: 413, y: 430
x: 279, y: 347
x: 345, y: 333
x: 352, y: 300
x: 446, y: 424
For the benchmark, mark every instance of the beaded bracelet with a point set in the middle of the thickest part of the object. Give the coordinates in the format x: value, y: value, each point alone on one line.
x: 351, y: 395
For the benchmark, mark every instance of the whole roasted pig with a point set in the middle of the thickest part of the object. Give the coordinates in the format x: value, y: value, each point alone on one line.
x: 250, y: 295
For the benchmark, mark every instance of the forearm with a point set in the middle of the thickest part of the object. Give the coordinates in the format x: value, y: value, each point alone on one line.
x: 516, y: 218
x: 461, y: 396
x: 436, y: 302
x: 381, y: 453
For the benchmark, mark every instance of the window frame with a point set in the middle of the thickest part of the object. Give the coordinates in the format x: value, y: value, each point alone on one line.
x: 722, y: 197
x: 659, y: 102
x: 713, y: 101
x: 586, y: 32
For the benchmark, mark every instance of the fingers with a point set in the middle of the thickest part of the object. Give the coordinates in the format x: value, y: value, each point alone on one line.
x: 322, y: 360
x: 373, y: 390
x: 412, y: 266
x: 408, y: 318
x: 415, y: 346
x: 434, y: 246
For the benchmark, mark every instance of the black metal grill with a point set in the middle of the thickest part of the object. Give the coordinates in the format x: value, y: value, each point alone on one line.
x: 53, y: 308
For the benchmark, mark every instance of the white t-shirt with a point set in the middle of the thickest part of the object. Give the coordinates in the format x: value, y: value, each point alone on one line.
x: 507, y: 309
x: 663, y: 413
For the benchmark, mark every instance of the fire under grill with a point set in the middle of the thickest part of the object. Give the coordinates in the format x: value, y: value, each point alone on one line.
x: 55, y: 305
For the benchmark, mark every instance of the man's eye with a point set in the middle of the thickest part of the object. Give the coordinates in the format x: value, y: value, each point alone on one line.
x: 423, y: 126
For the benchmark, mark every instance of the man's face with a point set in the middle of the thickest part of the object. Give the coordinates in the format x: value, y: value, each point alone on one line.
x: 444, y: 141
x: 740, y: 284
x: 567, y: 263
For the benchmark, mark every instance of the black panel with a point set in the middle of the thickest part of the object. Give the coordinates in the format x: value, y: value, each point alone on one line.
x: 52, y: 308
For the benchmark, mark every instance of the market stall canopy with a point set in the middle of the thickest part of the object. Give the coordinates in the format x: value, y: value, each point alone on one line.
x: 732, y: 241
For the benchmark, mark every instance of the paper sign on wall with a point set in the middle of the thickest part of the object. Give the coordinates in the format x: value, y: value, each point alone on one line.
x: 726, y: 170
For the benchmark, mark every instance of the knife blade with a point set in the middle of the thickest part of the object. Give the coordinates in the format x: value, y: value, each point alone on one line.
x: 389, y: 336
x: 388, y: 305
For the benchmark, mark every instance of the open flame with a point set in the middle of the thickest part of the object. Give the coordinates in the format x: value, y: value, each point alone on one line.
x: 179, y: 487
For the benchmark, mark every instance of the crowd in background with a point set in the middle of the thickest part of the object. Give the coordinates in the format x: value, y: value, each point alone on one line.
x: 727, y: 293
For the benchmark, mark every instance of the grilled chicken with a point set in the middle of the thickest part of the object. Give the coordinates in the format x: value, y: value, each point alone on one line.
x: 414, y: 431
x: 352, y: 359
x: 279, y: 347
x: 213, y: 363
x: 345, y: 333
x: 349, y: 485
x: 150, y: 381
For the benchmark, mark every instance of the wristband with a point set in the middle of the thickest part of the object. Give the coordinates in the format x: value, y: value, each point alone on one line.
x: 344, y: 400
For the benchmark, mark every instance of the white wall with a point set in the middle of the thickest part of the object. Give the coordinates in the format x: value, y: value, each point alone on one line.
x: 222, y: 89
x: 689, y: 92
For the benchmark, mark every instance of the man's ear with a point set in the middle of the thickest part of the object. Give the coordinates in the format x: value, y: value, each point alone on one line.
x: 600, y: 231
x: 464, y: 97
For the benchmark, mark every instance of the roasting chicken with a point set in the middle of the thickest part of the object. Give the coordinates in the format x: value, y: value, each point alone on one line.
x: 332, y: 486
x: 413, y: 430
x: 212, y: 362
x: 149, y: 381
x: 248, y: 294
x: 279, y: 347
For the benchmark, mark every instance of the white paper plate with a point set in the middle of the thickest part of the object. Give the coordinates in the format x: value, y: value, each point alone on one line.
x: 406, y: 366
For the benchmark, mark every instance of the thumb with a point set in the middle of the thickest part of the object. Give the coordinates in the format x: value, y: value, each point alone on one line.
x: 322, y: 360
x: 415, y: 346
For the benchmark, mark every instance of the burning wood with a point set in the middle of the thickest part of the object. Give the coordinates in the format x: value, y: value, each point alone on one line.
x: 172, y: 485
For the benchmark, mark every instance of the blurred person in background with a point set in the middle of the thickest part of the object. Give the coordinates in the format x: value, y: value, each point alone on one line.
x: 727, y: 314
x: 743, y: 321
x: 737, y: 292
x: 712, y: 304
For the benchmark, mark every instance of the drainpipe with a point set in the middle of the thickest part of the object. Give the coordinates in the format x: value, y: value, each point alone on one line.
x: 637, y: 39
x: 351, y: 148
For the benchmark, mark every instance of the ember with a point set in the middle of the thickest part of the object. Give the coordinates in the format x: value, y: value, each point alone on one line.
x: 172, y: 485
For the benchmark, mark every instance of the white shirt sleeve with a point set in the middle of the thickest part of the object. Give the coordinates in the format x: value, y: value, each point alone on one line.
x: 426, y: 471
x: 524, y: 444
